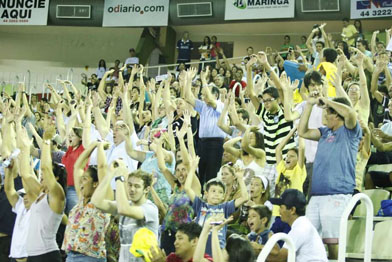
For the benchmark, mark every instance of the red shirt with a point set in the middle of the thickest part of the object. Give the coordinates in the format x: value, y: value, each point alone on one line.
x: 237, y: 91
x: 214, y: 50
x: 172, y: 257
x: 69, y: 160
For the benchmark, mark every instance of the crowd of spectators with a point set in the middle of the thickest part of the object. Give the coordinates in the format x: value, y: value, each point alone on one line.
x: 204, y: 165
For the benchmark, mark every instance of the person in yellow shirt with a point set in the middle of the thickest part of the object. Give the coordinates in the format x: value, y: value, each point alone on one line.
x: 349, y: 32
x: 291, y: 175
x: 327, y: 68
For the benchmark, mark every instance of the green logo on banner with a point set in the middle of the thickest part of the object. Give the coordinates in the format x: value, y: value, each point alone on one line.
x: 240, y: 4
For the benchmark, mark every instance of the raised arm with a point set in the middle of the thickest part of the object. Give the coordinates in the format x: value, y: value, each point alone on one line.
x: 187, y: 90
x: 30, y: 181
x: 347, y: 112
x: 222, y: 118
x: 100, y: 122
x: 56, y: 194
x: 309, y: 43
x: 86, y: 137
x: 364, y: 100
x: 102, y: 85
x: 303, y: 128
x: 244, y: 192
x: 262, y: 58
x: 229, y: 147
x: 60, y: 121
x: 189, y: 179
x: 287, y: 87
x: 209, y: 98
x: 80, y: 166
x: 128, y: 118
x: 133, y: 153
x: 374, y: 83
x: 249, y: 83
x: 9, y: 187
x: 124, y: 208
x: 336, y: 78
x: 373, y: 44
x: 101, y: 198
x: 156, y: 146
x: 258, y: 153
x: 328, y: 43
x: 282, y: 144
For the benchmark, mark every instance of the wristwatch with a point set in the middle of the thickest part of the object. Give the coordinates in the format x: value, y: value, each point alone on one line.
x: 121, y: 178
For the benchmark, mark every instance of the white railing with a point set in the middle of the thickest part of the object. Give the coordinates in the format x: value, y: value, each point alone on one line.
x: 369, y: 227
x: 271, y: 243
x: 159, y: 67
x: 36, y: 82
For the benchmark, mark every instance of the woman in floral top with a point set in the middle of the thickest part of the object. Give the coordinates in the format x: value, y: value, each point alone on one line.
x: 84, y: 238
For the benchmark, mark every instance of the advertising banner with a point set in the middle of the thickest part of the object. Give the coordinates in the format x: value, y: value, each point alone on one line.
x: 370, y: 9
x: 136, y: 13
x: 24, y: 12
x: 259, y: 9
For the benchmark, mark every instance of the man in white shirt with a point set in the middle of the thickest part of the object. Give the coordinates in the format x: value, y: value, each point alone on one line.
x: 132, y: 59
x: 307, y: 242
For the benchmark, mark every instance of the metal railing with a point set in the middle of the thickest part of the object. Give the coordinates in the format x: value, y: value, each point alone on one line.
x: 159, y: 67
x: 35, y: 82
x: 271, y: 243
x: 368, y: 228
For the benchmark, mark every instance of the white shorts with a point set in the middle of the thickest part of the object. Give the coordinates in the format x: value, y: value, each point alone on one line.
x: 325, y: 212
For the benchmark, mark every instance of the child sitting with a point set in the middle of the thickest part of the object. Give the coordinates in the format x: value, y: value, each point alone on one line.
x: 258, y: 220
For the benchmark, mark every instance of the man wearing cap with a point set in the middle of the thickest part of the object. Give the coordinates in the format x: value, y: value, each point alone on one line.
x: 307, y: 242
x: 333, y: 179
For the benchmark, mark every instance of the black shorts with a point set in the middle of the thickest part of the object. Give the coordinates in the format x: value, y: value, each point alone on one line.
x: 53, y: 256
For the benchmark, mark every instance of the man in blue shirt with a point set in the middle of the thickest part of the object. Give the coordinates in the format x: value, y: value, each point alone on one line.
x: 333, y: 180
x: 184, y: 47
x: 210, y: 145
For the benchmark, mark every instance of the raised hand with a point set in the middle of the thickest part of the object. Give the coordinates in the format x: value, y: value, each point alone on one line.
x: 156, y: 254
x: 193, y: 71
x: 89, y: 102
x: 50, y: 131
x: 252, y: 61
x: 187, y: 118
x: 336, y: 80
x: 358, y: 58
x: 19, y: 114
x: 262, y: 58
x: 364, y: 126
x: 135, y: 69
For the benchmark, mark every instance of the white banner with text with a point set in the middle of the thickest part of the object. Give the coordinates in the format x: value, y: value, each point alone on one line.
x: 24, y: 12
x: 136, y: 13
x: 370, y: 9
x: 259, y: 9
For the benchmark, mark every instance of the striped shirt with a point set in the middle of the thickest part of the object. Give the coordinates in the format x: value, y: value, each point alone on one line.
x: 275, y: 129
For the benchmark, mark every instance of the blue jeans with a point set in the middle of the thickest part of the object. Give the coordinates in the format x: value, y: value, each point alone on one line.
x: 77, y: 257
x: 72, y: 199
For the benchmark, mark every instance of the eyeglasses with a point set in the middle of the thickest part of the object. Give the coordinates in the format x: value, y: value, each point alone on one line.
x: 268, y: 100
